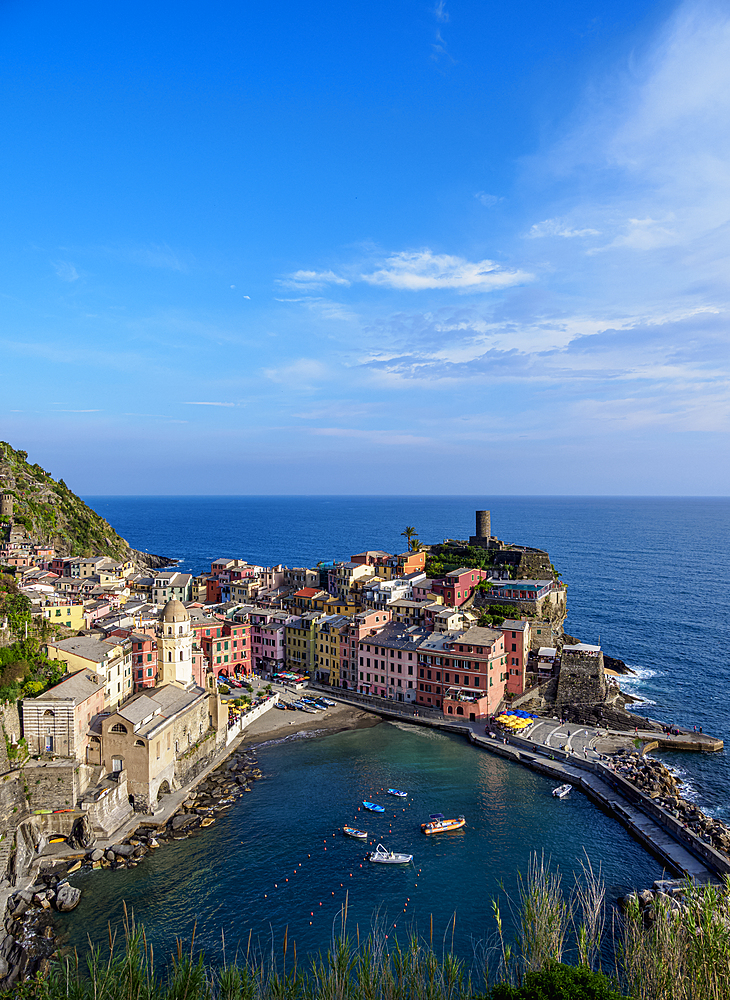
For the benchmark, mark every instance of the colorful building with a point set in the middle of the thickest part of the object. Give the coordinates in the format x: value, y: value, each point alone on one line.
x: 301, y: 642
x: 388, y: 662
x: 463, y: 670
x: 268, y: 640
x: 517, y: 648
x: 457, y: 586
x: 111, y: 658
x: 330, y: 634
x: 363, y: 623
x: 226, y: 647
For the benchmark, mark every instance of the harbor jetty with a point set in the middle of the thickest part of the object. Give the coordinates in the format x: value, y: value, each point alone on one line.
x: 675, y: 832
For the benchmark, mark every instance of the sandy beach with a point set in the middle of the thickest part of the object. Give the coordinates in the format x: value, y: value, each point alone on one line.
x: 276, y: 723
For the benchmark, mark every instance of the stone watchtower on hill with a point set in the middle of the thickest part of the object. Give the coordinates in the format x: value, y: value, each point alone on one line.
x: 483, y: 529
x: 582, y: 679
x: 6, y: 505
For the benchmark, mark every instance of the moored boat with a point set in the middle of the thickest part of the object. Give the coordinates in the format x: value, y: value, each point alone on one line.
x: 561, y: 791
x: 437, y: 823
x: 385, y: 857
x: 397, y: 793
x: 351, y: 831
x: 373, y: 807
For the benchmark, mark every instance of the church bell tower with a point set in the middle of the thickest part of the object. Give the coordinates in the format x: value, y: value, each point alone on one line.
x: 175, y: 646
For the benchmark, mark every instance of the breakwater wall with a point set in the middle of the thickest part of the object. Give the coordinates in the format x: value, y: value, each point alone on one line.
x: 660, y: 832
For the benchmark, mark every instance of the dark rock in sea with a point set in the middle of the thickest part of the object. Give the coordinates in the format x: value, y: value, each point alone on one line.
x: 123, y: 850
x: 67, y: 898
x: 183, y: 820
x: 613, y: 663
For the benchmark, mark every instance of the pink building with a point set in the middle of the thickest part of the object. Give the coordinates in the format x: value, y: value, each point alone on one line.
x: 362, y: 624
x: 268, y: 640
x: 388, y: 662
x: 517, y: 647
x: 457, y: 586
x: 225, y: 645
x: 463, y: 669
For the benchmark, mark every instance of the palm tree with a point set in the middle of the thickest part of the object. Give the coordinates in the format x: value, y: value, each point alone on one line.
x: 409, y: 533
x: 416, y: 546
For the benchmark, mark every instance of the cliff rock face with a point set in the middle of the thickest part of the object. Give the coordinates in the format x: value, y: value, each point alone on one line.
x: 52, y: 514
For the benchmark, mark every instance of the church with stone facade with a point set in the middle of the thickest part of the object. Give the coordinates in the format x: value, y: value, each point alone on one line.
x: 163, y: 736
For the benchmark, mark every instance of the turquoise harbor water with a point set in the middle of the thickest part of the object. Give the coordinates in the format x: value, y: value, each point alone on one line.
x: 647, y: 577
x: 231, y: 878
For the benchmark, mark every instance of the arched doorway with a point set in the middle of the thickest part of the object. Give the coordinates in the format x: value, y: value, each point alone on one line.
x: 164, y: 789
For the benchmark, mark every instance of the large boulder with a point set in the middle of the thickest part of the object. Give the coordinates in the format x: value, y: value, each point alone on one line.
x: 67, y: 897
x: 123, y: 850
x: 182, y: 820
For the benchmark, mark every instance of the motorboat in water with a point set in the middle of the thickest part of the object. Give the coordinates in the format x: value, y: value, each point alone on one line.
x: 561, y: 791
x: 373, y: 807
x: 385, y: 857
x: 351, y: 831
x: 437, y: 823
x: 397, y: 793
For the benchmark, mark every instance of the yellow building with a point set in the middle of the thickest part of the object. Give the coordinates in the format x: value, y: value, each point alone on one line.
x: 330, y: 634
x: 338, y: 606
x: 69, y: 615
x: 301, y: 642
x: 111, y: 658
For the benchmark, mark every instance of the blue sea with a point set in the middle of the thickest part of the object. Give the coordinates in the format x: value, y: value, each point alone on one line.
x: 648, y: 579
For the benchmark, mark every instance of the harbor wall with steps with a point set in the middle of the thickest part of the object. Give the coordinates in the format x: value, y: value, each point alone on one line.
x: 660, y: 832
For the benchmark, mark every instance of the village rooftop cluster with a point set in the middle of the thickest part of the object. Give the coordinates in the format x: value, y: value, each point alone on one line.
x: 374, y: 624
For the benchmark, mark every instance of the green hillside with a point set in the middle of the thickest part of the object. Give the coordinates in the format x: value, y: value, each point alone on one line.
x: 51, y: 513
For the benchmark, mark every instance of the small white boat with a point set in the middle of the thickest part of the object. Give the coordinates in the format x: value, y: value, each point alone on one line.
x: 385, y: 857
x: 398, y: 793
x: 561, y: 791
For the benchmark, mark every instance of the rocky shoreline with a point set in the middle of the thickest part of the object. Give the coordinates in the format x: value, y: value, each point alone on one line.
x: 657, y: 781
x: 29, y: 940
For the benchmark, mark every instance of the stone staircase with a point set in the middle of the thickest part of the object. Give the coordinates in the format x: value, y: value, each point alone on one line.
x: 6, y: 848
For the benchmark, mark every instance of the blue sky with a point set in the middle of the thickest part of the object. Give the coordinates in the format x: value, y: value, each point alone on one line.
x: 448, y: 247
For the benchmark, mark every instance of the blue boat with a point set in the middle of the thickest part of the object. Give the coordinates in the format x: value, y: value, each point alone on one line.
x: 397, y: 793
x: 373, y: 807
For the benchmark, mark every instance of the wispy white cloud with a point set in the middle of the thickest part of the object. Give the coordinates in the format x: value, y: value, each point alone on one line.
x: 65, y: 270
x: 488, y: 200
x: 417, y: 270
x: 558, y: 227
x: 313, y: 279
x: 205, y: 403
x: 440, y: 12
x: 421, y: 269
